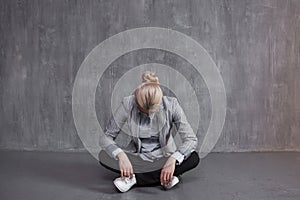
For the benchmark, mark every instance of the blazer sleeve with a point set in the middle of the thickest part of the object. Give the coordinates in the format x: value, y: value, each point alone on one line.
x: 184, y: 129
x: 112, y: 129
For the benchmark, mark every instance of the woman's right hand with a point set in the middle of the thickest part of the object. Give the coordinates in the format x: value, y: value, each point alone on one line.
x: 125, y: 165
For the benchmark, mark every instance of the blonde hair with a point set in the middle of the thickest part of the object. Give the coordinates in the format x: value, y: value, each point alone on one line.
x: 148, y: 94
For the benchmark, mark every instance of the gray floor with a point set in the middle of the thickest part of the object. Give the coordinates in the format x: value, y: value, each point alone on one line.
x: 49, y: 175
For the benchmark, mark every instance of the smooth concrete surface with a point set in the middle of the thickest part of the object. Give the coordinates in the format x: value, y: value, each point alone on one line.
x: 255, y: 45
x: 219, y: 176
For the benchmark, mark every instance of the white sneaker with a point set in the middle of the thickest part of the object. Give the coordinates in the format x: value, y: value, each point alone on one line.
x: 125, y: 184
x: 174, y: 182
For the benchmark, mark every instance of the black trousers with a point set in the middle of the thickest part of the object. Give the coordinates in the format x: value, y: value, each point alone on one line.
x: 152, y: 177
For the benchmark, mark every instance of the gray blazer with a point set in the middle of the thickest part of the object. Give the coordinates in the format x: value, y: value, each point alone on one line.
x: 125, y: 121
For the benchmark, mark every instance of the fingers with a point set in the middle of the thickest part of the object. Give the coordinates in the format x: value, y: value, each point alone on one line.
x: 127, y: 172
x: 131, y: 173
x: 170, y: 177
x: 164, y: 177
x: 122, y: 173
x: 161, y: 177
x: 125, y: 168
x: 162, y: 174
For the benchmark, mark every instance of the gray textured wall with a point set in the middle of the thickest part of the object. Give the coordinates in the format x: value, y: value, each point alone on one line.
x: 255, y: 44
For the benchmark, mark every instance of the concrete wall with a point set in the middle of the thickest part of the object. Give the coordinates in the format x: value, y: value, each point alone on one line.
x: 255, y: 44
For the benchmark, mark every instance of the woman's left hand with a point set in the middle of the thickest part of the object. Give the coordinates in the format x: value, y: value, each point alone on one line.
x: 167, y: 171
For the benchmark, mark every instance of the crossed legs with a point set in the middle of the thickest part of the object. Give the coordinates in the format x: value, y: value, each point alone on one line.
x: 151, y: 177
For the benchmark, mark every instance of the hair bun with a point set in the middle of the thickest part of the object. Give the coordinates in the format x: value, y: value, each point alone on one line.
x: 149, y: 77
